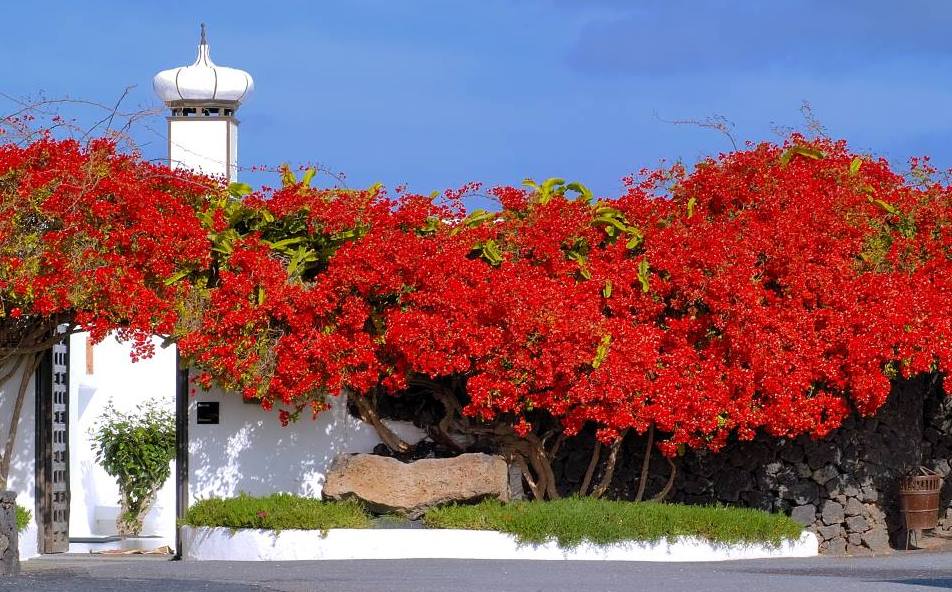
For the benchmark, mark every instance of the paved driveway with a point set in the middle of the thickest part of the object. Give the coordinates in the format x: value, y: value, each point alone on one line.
x: 909, y: 572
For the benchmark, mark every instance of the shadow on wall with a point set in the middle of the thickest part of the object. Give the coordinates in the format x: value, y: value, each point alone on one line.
x: 22, y: 476
x: 249, y: 452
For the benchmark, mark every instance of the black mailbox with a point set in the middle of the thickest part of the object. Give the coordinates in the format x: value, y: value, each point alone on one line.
x: 207, y: 412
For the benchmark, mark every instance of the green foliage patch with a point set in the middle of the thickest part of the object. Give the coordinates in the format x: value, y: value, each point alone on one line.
x: 280, y: 511
x: 571, y: 521
x: 23, y: 518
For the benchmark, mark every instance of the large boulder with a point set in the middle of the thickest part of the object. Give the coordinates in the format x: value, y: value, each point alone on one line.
x: 386, y: 485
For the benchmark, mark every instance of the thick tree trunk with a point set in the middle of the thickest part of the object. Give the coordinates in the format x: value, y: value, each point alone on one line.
x: 131, y: 516
x: 590, y: 471
x: 610, y: 467
x: 369, y: 414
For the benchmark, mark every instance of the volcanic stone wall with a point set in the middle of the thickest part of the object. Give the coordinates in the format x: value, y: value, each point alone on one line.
x: 844, y: 487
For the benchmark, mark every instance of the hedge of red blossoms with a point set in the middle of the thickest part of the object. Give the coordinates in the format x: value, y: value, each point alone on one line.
x: 775, y: 288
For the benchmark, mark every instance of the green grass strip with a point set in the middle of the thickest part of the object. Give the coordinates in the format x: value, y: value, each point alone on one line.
x: 278, y: 512
x: 571, y: 521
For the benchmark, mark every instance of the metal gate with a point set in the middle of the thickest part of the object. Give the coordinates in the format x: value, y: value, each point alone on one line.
x: 52, y: 450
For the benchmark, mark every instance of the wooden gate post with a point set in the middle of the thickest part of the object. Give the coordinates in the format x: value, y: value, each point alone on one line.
x: 52, y: 450
x: 181, y: 449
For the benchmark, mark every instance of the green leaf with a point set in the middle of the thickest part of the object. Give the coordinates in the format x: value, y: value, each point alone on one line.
x: 261, y: 295
x: 886, y: 206
x: 282, y: 245
x: 636, y: 239
x: 602, y: 351
x: 550, y: 188
x: 176, y: 277
x: 308, y: 176
x: 607, y: 210
x: 222, y: 241
x: 432, y: 225
x: 607, y: 290
x: 584, y: 193
x: 854, y: 166
x: 804, y: 151
x: 478, y: 217
x: 301, y: 256
x: 475, y: 218
x: 643, y: 269
x: 287, y: 175
x: 239, y: 189
x: 490, y: 252
x: 613, y: 221
x: 582, y: 263
x: 691, y: 203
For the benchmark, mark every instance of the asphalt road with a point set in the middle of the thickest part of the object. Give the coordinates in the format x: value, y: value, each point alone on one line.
x: 907, y: 572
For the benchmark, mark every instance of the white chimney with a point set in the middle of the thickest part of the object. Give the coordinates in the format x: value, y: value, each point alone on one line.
x: 203, y: 98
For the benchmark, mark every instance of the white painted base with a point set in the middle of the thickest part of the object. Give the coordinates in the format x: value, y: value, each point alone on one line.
x: 224, y: 544
x: 27, y: 542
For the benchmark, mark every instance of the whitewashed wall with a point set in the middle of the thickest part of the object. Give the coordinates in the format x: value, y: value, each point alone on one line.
x: 94, y: 502
x: 249, y: 451
x: 23, y: 466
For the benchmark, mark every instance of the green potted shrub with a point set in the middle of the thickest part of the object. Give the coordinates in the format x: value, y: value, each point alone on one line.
x: 136, y: 448
x: 24, y: 516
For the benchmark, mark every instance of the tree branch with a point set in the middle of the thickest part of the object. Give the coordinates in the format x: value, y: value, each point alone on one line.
x: 645, y: 464
x: 606, y: 481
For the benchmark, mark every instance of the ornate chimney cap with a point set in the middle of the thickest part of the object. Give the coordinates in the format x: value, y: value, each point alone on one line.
x: 203, y: 82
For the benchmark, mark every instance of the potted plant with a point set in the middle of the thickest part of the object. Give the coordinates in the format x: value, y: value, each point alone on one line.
x: 136, y: 448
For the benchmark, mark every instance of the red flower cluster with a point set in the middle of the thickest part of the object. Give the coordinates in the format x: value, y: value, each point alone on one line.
x: 774, y: 288
x: 90, y: 238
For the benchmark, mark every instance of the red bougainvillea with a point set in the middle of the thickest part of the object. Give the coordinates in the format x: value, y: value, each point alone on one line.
x: 775, y: 288
x: 91, y: 239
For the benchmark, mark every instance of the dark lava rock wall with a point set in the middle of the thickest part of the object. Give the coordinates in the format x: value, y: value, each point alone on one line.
x: 844, y: 487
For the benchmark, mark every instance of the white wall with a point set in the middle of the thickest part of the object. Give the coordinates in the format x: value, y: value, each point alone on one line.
x: 94, y: 499
x: 249, y: 451
x: 23, y: 465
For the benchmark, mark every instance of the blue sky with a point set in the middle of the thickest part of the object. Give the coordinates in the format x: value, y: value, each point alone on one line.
x: 433, y: 93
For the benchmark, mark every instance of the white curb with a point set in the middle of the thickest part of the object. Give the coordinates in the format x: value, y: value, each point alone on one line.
x: 225, y: 544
